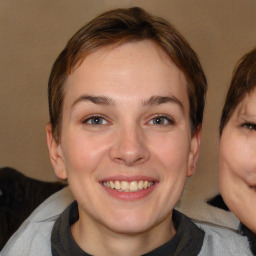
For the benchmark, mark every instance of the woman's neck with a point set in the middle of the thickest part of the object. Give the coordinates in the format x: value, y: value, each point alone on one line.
x: 104, y: 241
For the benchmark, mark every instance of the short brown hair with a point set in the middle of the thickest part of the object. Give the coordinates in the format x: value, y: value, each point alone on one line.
x: 242, y: 83
x: 121, y: 26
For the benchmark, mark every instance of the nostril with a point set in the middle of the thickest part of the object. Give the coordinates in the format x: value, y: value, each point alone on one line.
x: 129, y: 149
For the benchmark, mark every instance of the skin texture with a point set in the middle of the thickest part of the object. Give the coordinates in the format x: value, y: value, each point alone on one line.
x: 237, y: 163
x: 129, y: 143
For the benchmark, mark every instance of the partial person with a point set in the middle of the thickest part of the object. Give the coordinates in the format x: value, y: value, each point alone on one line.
x: 237, y: 163
x: 126, y: 101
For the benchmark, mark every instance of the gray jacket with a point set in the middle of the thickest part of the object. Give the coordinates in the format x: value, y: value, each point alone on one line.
x: 34, y: 235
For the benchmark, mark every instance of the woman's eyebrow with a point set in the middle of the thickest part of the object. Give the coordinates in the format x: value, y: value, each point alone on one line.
x: 153, y: 100
x: 246, y: 115
x: 99, y: 100
x: 158, y: 100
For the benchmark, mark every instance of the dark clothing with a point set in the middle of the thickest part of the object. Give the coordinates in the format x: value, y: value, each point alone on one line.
x: 251, y: 237
x: 20, y: 194
x: 188, y: 239
x: 34, y: 236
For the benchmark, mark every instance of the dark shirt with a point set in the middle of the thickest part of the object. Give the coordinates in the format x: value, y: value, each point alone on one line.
x: 187, y: 241
x: 250, y: 235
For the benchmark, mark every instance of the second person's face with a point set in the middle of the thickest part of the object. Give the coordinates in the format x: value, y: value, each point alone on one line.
x: 238, y: 162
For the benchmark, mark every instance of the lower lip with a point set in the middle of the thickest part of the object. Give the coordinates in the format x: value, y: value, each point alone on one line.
x: 130, y: 196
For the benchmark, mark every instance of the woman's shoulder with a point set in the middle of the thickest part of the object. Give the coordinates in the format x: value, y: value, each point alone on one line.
x: 33, y: 236
x: 223, y: 241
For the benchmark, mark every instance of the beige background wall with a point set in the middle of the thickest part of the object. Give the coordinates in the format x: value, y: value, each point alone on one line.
x: 32, y: 33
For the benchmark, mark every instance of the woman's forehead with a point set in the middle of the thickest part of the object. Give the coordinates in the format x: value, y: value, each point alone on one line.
x: 247, y: 106
x: 130, y: 69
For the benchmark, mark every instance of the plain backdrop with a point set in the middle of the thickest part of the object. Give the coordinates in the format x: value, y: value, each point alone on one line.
x: 33, y: 32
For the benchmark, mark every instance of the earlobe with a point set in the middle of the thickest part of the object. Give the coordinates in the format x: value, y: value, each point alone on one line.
x: 56, y: 154
x: 194, y: 152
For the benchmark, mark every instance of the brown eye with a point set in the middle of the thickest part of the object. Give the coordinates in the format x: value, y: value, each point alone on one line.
x: 249, y: 126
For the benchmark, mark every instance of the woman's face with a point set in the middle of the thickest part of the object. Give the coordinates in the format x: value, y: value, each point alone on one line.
x: 126, y: 145
x: 237, y: 163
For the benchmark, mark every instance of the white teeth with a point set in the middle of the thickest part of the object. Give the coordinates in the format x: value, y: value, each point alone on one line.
x: 126, y: 186
x: 117, y: 185
x: 112, y: 184
x: 141, y: 184
x: 133, y: 186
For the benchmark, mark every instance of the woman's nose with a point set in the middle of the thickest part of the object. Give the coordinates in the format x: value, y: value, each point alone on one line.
x: 130, y: 147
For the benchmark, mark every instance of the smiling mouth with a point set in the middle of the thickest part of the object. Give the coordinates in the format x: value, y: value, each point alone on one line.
x: 126, y: 186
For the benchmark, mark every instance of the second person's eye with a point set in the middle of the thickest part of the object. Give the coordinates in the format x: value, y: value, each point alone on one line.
x: 249, y: 126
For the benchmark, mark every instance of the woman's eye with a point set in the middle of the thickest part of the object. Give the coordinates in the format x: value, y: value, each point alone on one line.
x: 249, y: 126
x: 95, y: 120
x: 161, y: 120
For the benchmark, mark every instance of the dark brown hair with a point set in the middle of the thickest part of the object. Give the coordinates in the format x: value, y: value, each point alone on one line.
x: 242, y: 83
x: 117, y: 27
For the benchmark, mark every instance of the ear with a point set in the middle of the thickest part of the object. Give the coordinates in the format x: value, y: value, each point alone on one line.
x: 56, y: 154
x: 194, y: 152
